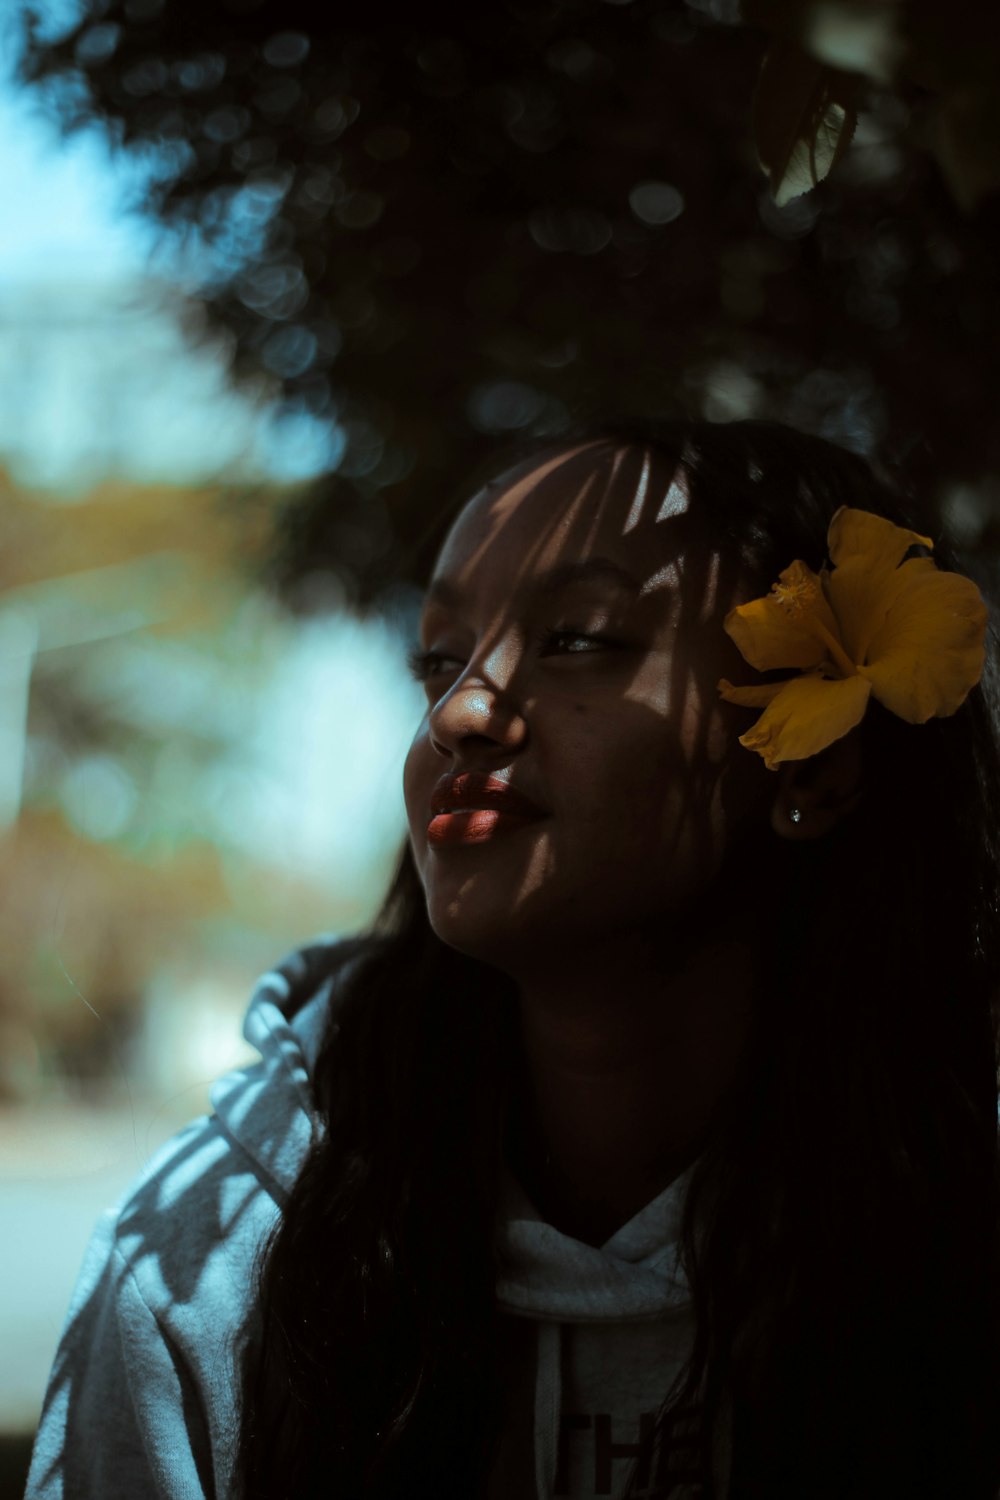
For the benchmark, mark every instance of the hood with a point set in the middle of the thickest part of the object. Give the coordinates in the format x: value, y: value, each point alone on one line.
x: 545, y: 1276
x: 548, y: 1276
x: 634, y: 1274
x: 268, y: 1107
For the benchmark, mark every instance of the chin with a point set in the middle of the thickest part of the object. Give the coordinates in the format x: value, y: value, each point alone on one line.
x: 483, y: 936
x: 518, y: 944
x: 493, y: 936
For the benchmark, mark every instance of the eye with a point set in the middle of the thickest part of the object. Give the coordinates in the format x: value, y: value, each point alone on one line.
x: 574, y: 643
x: 424, y: 665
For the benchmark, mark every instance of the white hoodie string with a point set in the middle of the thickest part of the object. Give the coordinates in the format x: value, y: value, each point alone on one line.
x: 548, y: 1407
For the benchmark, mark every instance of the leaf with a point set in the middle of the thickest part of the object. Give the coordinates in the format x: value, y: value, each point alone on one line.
x: 852, y: 36
x: 804, y: 115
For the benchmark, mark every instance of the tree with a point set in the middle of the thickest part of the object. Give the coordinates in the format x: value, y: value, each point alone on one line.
x: 440, y: 232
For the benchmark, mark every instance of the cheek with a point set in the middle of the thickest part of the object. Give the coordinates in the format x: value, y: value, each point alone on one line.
x: 681, y: 773
x: 417, y: 778
x: 650, y: 691
x: 410, y: 772
x: 716, y: 735
x: 629, y: 784
x: 682, y: 708
x: 704, y: 730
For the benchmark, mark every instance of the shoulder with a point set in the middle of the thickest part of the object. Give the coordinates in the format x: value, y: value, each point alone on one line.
x: 186, y: 1235
x: 147, y: 1367
x: 191, y: 1223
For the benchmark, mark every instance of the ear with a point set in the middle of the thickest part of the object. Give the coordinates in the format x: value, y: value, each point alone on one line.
x: 815, y: 795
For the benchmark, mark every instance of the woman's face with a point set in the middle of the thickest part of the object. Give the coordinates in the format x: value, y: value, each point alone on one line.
x: 566, y: 784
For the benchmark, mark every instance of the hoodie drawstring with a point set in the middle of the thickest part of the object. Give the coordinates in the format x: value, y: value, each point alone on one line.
x: 548, y: 1407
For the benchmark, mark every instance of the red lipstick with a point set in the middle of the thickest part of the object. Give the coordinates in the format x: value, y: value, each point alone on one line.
x: 473, y: 807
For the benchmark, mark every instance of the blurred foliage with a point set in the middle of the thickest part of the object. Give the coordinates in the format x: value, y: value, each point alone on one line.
x: 124, y: 858
x: 805, y: 116
x: 941, y: 59
x: 444, y: 229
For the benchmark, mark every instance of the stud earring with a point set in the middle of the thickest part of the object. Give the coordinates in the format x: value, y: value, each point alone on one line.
x: 795, y: 814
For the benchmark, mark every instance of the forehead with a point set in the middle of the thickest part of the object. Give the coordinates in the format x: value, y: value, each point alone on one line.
x: 625, y: 503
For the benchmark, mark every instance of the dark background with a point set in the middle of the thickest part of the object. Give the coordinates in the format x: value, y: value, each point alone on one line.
x: 497, y: 220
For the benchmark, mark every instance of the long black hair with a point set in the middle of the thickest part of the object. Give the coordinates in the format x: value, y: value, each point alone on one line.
x: 841, y: 1229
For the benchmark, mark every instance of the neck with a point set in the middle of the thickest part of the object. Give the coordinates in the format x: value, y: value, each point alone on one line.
x: 624, y: 1069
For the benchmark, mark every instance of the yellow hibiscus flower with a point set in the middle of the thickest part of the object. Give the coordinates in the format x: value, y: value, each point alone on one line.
x: 872, y: 625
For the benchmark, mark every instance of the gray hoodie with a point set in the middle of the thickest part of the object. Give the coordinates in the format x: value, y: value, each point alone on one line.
x: 143, y: 1395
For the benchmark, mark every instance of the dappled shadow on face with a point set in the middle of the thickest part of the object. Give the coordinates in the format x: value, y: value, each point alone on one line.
x: 576, y: 625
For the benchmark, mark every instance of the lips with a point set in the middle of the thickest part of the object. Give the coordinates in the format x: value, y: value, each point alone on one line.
x: 473, y: 808
x: 470, y: 791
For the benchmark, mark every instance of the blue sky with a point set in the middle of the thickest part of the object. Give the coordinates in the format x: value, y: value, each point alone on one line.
x: 78, y: 335
x: 61, y: 213
x: 61, y: 210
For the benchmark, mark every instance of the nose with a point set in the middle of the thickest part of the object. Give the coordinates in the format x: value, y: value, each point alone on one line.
x: 477, y: 719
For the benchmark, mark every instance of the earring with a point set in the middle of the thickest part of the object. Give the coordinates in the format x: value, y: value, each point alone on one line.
x: 795, y: 814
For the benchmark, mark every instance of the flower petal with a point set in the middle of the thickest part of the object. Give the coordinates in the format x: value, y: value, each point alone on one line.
x: 771, y: 634
x: 860, y: 596
x: 809, y: 713
x: 749, y: 697
x: 929, y: 652
x: 882, y: 544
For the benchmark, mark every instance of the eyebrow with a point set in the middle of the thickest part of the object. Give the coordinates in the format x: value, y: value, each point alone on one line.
x: 563, y: 575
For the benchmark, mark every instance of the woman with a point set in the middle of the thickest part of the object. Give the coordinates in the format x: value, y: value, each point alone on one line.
x: 648, y: 1145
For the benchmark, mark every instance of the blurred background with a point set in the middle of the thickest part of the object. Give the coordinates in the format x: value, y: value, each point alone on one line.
x: 271, y: 282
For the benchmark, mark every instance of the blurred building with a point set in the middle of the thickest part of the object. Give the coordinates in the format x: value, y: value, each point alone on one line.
x: 191, y: 780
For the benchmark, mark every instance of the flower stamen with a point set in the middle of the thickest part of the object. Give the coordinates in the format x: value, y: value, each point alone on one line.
x: 795, y: 597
